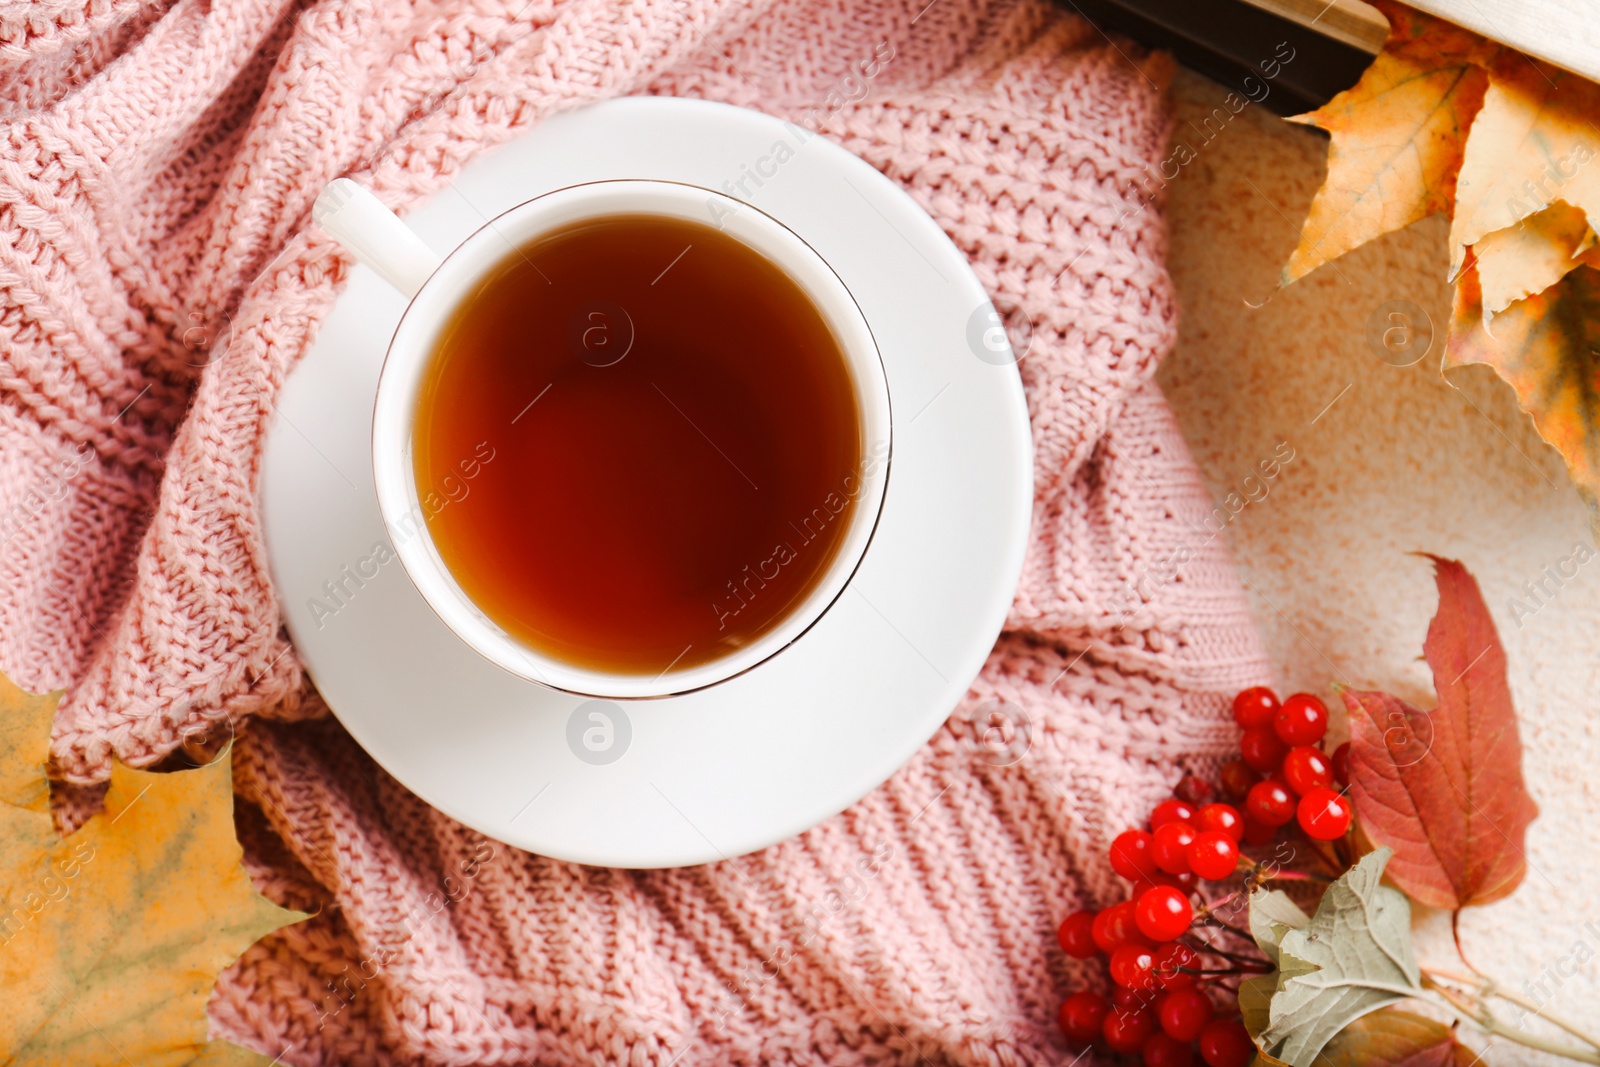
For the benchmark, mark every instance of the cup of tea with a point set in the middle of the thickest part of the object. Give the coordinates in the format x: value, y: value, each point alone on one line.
x: 631, y: 438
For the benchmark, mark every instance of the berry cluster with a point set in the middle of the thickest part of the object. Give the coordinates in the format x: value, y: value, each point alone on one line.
x: 1282, y: 772
x: 1162, y: 1006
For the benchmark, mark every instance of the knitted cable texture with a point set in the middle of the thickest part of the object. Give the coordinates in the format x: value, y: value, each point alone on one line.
x: 160, y: 277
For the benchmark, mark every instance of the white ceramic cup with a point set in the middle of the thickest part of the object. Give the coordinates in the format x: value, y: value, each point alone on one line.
x: 436, y: 287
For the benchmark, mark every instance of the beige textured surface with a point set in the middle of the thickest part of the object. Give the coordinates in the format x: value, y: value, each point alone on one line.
x: 1402, y: 461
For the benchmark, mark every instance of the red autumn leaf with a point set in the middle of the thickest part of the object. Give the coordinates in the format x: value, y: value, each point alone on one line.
x: 1444, y: 788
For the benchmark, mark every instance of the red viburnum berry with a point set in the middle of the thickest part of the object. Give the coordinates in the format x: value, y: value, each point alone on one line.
x: 1162, y: 1051
x: 1306, y: 768
x: 1173, y: 810
x: 1083, y: 1014
x: 1193, y: 790
x: 1163, y: 913
x: 1130, y: 855
x: 1270, y: 803
x: 1170, y: 960
x: 1237, y: 777
x: 1115, y: 927
x: 1302, y: 720
x: 1076, y: 935
x: 1169, y: 847
x: 1258, y: 833
x: 1341, y: 764
x: 1226, y: 1043
x: 1255, y: 707
x: 1184, y: 883
x: 1223, y: 817
x: 1133, y: 967
x: 1127, y: 1031
x: 1213, y: 855
x: 1183, y: 1013
x: 1123, y: 999
x: 1262, y: 749
x: 1324, y: 814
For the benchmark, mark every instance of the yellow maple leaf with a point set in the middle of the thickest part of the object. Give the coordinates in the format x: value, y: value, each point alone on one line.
x: 1396, y: 137
x: 1530, y: 257
x: 1533, y: 142
x: 112, y: 938
x: 1547, y: 347
x: 1445, y: 120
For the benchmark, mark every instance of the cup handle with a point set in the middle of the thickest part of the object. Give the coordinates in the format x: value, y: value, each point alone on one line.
x: 375, y: 235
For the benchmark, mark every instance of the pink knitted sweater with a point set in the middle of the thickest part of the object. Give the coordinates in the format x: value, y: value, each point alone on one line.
x: 160, y: 277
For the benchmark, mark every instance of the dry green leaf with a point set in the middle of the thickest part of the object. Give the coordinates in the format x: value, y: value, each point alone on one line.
x: 1352, y: 958
x: 1397, y: 137
x: 1273, y: 914
x: 113, y: 937
x: 1548, y: 348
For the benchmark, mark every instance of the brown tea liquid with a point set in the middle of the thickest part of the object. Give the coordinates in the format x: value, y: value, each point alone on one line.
x: 635, y: 444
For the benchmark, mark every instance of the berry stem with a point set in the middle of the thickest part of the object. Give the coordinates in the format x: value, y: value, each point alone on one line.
x: 1207, y: 947
x: 1261, y: 873
x: 1344, y: 850
x: 1297, y: 876
x: 1223, y: 903
x: 1483, y: 986
x: 1215, y: 971
x: 1206, y: 915
x: 1330, y: 854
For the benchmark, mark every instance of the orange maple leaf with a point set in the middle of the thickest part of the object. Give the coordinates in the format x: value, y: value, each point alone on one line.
x: 113, y: 937
x: 1547, y: 347
x: 1396, y: 137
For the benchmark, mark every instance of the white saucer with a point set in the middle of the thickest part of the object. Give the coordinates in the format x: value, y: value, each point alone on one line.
x: 741, y: 765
